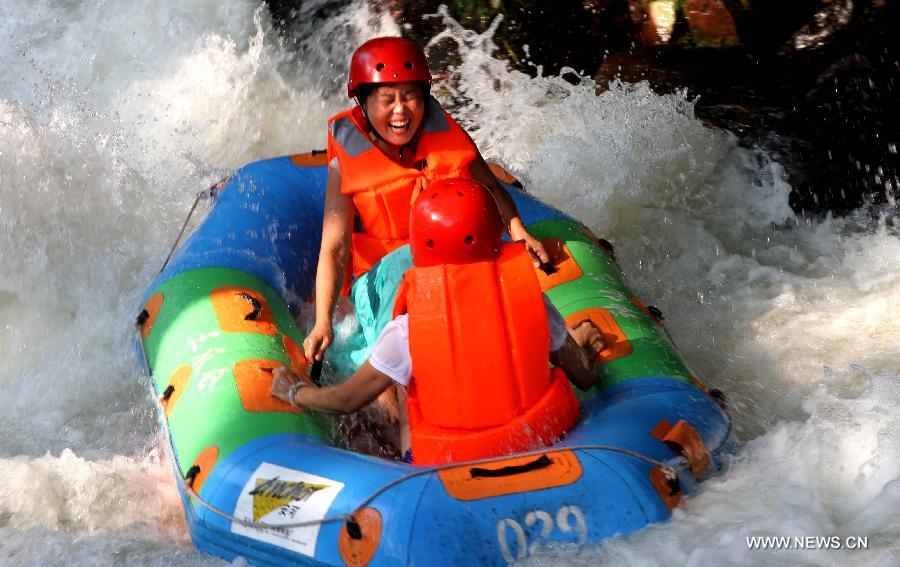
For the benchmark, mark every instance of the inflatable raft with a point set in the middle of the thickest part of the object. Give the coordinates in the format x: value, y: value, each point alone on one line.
x: 266, y: 482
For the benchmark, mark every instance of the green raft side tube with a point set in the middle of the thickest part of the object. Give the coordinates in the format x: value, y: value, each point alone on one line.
x: 197, y: 347
x: 638, y: 346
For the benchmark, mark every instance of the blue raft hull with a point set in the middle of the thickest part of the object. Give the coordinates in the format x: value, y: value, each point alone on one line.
x: 268, y: 224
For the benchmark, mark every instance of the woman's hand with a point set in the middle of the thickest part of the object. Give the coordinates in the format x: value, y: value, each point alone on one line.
x: 588, y: 337
x: 535, y: 247
x: 317, y: 341
x: 282, y: 380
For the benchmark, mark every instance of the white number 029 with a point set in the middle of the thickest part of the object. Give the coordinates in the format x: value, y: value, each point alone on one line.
x: 518, y: 548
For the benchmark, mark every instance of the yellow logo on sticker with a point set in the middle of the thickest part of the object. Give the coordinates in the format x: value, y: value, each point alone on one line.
x: 271, y: 494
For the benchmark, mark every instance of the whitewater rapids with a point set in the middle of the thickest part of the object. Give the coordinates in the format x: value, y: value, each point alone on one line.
x: 112, y: 117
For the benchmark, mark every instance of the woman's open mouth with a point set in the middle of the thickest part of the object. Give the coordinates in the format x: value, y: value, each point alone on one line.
x: 399, y: 126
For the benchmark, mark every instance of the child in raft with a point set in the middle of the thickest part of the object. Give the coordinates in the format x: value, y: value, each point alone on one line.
x: 470, y: 344
x: 394, y: 143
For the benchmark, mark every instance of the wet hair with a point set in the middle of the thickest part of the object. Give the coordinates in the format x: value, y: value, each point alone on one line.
x: 363, y: 91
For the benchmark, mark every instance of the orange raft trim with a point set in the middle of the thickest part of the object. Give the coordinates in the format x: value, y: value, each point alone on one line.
x: 299, y: 364
x: 153, y: 306
x: 359, y: 552
x: 667, y: 489
x: 566, y: 269
x: 242, y: 310
x: 656, y: 316
x: 176, y: 386
x: 601, y: 243
x: 683, y: 439
x: 205, y: 461
x: 503, y: 176
x: 617, y: 342
x: 253, y: 378
x: 459, y: 482
x: 315, y: 158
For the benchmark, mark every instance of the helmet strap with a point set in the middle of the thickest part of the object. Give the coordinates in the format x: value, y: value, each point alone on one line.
x: 372, y: 129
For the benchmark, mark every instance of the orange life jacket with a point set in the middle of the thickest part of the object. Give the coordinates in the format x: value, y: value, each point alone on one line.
x: 482, y: 384
x: 382, y: 189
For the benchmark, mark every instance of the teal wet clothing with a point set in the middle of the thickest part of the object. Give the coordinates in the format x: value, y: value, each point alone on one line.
x: 373, y: 296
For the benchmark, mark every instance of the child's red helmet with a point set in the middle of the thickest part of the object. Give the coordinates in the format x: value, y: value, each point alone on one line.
x: 387, y: 60
x: 455, y: 221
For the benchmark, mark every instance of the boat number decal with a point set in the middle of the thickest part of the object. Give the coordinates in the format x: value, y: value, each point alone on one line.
x: 514, y: 541
x: 277, y: 495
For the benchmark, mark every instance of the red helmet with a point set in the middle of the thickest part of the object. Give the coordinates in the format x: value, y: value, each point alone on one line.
x: 387, y: 60
x: 455, y: 221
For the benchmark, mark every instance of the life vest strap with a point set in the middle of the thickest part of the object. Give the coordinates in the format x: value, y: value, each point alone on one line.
x: 366, y: 250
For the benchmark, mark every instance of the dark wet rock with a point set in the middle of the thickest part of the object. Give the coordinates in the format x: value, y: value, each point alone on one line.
x: 531, y: 33
x: 818, y: 101
x: 702, y: 23
x: 710, y: 22
x: 813, y: 82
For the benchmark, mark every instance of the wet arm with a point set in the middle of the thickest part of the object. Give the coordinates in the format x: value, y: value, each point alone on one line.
x: 337, y: 225
x: 575, y: 363
x: 508, y: 210
x: 361, y: 389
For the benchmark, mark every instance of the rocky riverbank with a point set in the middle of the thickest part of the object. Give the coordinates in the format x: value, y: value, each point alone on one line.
x: 813, y: 82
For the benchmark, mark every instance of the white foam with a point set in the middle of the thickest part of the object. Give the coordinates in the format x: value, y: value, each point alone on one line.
x: 795, y: 319
x: 111, y: 118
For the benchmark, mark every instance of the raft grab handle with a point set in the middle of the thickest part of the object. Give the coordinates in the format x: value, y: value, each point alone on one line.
x: 254, y: 303
x: 540, y: 463
x: 315, y: 371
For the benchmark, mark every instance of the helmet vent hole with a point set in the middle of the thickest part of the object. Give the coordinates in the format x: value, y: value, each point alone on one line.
x: 470, y: 239
x: 407, y: 64
x: 379, y: 67
x: 429, y: 243
x: 460, y: 193
x: 434, y: 195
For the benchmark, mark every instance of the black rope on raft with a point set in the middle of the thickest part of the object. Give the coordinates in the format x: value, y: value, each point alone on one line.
x: 209, y: 193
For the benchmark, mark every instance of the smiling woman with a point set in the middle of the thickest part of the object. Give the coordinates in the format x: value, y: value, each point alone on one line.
x: 395, y: 113
x: 382, y: 153
x: 113, y: 115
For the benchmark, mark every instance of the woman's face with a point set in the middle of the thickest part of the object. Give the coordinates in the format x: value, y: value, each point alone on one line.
x: 396, y: 111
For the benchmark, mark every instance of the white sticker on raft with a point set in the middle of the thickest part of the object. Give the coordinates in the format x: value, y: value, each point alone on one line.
x: 276, y: 495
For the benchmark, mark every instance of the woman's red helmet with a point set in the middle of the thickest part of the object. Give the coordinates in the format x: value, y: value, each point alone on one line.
x: 387, y: 60
x: 455, y: 221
